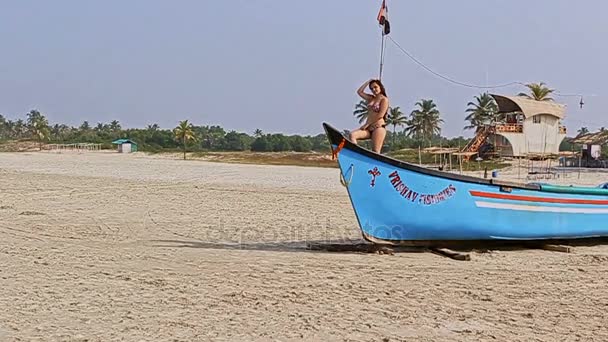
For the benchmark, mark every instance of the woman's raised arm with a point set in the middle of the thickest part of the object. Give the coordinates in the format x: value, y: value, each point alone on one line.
x: 361, y: 91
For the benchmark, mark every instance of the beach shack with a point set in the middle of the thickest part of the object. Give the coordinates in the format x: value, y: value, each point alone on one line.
x: 591, y: 148
x: 125, y: 145
x: 529, y: 128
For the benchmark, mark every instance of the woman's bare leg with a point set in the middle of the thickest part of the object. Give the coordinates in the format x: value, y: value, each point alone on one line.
x: 359, y: 134
x: 378, y: 139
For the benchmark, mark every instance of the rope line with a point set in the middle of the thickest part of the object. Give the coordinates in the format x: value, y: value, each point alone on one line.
x: 446, y: 78
x: 468, y: 85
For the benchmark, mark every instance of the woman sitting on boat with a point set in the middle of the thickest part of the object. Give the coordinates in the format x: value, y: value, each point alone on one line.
x: 377, y: 109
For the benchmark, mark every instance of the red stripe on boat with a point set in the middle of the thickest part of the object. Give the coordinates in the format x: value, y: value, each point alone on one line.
x: 537, y: 199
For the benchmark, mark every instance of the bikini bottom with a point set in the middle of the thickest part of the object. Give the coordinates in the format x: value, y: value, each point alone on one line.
x: 373, y: 127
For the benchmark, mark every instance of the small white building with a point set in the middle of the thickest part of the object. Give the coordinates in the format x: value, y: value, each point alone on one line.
x: 531, y: 127
x: 125, y: 145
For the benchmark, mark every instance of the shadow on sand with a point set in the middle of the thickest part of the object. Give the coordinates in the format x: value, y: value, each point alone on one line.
x: 458, y: 250
x: 287, y: 246
x: 318, y: 246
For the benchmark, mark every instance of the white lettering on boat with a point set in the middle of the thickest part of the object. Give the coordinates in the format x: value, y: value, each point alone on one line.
x: 425, y: 199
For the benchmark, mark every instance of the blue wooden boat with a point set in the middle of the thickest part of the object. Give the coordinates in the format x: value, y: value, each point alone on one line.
x: 401, y: 203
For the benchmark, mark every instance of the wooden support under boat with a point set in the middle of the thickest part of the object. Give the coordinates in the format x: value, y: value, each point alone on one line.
x: 557, y: 248
x: 451, y: 254
x: 356, y: 247
x: 384, y: 249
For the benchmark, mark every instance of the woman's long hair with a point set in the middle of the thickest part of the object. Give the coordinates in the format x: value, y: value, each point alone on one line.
x: 379, y: 83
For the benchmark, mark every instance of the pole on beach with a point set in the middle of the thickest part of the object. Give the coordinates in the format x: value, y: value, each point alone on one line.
x: 382, y: 48
x: 580, y: 161
x: 519, y: 164
x: 460, y: 162
x: 385, y: 27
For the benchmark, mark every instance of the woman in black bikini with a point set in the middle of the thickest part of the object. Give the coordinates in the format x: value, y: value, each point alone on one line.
x: 377, y: 105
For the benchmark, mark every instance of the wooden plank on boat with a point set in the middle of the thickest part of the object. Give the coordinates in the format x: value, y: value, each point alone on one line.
x: 515, y: 185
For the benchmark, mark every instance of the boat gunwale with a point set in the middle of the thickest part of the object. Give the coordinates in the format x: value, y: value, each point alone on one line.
x: 335, y: 138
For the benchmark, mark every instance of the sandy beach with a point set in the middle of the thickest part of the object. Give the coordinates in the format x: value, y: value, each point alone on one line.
x: 115, y: 247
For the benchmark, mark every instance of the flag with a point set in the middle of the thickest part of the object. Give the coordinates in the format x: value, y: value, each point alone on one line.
x: 382, y: 13
x: 383, y: 18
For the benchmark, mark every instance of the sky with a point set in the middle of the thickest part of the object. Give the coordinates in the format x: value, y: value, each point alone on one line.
x: 289, y: 66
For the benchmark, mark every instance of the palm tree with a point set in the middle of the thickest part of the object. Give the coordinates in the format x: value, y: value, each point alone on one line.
x: 184, y: 133
x: 361, y: 111
x: 40, y: 130
x: 100, y: 127
x: 582, y: 130
x: 115, y: 126
x: 424, y: 121
x: 38, y: 126
x: 3, y: 127
x: 396, y: 118
x: 538, y: 92
x: 482, y: 112
x: 85, y: 127
x: 19, y: 128
x: 258, y: 133
x: 56, y: 132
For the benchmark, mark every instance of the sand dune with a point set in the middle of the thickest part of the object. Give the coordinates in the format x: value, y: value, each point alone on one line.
x: 111, y: 247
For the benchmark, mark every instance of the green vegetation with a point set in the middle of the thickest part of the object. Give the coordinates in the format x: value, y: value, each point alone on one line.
x: 484, y: 111
x: 406, y: 133
x: 538, y: 92
x: 425, y: 121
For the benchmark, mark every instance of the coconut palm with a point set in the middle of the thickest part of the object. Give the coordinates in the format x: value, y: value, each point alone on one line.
x: 101, y: 127
x: 85, y: 126
x: 38, y: 126
x: 40, y: 130
x: 424, y: 121
x: 3, y: 127
x: 115, y: 126
x: 184, y: 132
x: 582, y: 130
x: 361, y: 111
x: 19, y: 129
x: 538, y: 92
x: 258, y: 133
x: 482, y: 112
x: 60, y: 131
x: 396, y: 118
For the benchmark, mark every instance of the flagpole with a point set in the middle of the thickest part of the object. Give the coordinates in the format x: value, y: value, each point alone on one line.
x: 383, y: 21
x: 382, y: 55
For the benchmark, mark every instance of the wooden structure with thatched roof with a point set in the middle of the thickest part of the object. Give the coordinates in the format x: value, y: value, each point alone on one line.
x: 591, y: 151
x: 597, y: 138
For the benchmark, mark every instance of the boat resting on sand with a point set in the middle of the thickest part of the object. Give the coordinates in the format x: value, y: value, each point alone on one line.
x: 399, y: 203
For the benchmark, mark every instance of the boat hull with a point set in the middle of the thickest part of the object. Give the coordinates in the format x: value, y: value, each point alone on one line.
x: 397, y: 202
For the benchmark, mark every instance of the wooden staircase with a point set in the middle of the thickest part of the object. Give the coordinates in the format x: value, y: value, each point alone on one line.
x: 475, y: 143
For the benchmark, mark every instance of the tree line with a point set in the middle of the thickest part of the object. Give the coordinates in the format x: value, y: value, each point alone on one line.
x: 422, y: 127
x: 189, y: 137
x: 185, y: 136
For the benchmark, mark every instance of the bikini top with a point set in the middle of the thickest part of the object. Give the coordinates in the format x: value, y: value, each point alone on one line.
x: 376, y: 108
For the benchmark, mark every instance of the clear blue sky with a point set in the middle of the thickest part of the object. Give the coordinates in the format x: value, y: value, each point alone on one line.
x: 287, y: 66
